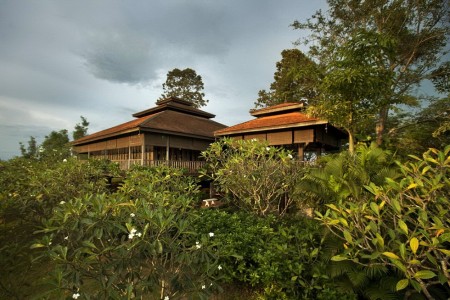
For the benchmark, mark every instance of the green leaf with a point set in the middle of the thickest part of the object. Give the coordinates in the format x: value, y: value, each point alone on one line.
x: 348, y: 237
x: 402, y: 284
x: 344, y: 222
x: 445, y: 251
x: 89, y: 244
x: 36, y: 246
x: 402, y: 249
x: 403, y: 226
x: 339, y: 258
x: 374, y: 207
x: 390, y: 255
x: 425, y: 274
x: 396, y: 206
x: 414, y: 244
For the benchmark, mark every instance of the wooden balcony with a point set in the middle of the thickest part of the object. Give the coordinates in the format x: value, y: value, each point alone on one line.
x: 192, y: 167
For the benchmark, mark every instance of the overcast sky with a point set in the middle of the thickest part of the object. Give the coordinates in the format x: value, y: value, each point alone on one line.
x: 105, y: 60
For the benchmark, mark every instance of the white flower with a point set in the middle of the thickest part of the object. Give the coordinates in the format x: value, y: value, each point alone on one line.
x: 290, y: 156
x: 62, y: 202
x: 76, y: 295
x: 253, y: 140
x: 219, y: 267
x: 66, y: 238
x: 197, y: 245
x: 268, y: 148
x: 203, y: 287
x: 132, y: 215
x: 211, y: 234
x: 64, y: 160
x: 133, y: 232
x: 166, y: 298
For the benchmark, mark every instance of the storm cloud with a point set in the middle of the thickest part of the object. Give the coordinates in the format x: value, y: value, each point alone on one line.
x: 106, y: 59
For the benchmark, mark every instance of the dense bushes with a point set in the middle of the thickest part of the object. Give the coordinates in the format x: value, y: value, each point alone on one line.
x: 29, y: 191
x: 404, y: 226
x: 253, y: 176
x: 279, y: 258
x: 373, y: 238
x: 138, y: 242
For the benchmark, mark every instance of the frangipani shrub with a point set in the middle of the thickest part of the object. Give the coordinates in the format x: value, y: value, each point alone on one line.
x: 30, y: 189
x: 253, y: 175
x: 405, y: 225
x: 136, y: 243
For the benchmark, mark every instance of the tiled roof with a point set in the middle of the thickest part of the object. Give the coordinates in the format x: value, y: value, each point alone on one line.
x: 119, y: 129
x: 167, y: 121
x: 279, y: 121
x: 277, y: 108
x: 172, y: 115
x: 182, y: 123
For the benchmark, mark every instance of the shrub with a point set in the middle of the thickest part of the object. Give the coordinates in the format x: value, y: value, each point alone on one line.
x: 404, y: 226
x: 342, y: 176
x: 254, y: 176
x: 138, y: 242
x: 29, y: 191
x: 279, y: 258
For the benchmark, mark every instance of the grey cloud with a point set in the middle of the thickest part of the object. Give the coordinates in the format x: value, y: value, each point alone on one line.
x: 121, y: 58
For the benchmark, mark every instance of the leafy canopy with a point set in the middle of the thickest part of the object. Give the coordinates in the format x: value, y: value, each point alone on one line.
x: 295, y: 80
x: 184, y: 84
x: 418, y: 32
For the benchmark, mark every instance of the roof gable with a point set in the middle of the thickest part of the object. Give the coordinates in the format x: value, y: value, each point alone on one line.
x: 171, y: 115
x: 175, y: 104
x: 271, y: 122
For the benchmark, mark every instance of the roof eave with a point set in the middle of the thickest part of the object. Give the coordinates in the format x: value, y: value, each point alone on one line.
x: 102, y: 137
x: 253, y: 130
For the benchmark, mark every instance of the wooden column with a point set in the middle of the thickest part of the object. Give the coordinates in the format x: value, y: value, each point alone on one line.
x: 143, y: 150
x: 301, y: 148
x: 129, y: 152
x: 168, y: 148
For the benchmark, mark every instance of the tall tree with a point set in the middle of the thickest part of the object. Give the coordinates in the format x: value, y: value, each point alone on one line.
x: 32, y: 150
x: 184, y: 84
x: 80, y: 129
x: 419, y: 30
x: 56, y: 144
x: 354, y: 82
x: 295, y: 80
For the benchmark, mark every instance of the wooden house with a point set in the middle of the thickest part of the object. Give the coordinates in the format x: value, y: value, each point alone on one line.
x: 172, y: 133
x: 288, y: 126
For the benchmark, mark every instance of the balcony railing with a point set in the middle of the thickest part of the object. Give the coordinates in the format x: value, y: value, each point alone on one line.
x: 190, y: 166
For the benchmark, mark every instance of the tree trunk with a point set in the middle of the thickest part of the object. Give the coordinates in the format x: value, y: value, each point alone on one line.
x: 351, y: 142
x: 381, y: 124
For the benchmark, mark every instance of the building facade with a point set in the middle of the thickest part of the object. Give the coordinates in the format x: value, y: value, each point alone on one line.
x: 288, y: 126
x: 171, y: 133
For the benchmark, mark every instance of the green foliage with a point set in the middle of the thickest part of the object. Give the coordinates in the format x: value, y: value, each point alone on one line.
x: 295, y: 80
x: 31, y: 151
x: 80, y: 129
x: 55, y: 145
x: 355, y: 83
x: 256, y: 177
x: 30, y: 191
x: 138, y: 242
x: 184, y: 84
x: 278, y: 257
x: 429, y: 128
x: 418, y: 32
x: 341, y: 177
x: 404, y: 225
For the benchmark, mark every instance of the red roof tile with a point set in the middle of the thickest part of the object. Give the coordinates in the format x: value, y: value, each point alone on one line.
x: 122, y: 128
x: 290, y: 119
